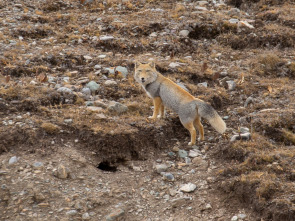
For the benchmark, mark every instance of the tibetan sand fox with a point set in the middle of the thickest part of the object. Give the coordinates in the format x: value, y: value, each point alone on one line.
x: 165, y: 93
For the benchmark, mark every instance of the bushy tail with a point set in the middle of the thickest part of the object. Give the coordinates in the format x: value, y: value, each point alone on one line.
x: 207, y: 111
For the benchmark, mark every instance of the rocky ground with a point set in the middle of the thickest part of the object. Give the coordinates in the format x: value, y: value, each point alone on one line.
x: 75, y: 142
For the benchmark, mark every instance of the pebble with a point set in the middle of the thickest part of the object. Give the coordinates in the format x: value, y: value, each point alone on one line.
x: 203, y: 84
x: 38, y: 164
x: 244, y: 136
x: 106, y: 38
x: 242, y: 216
x: 182, y: 153
x: 86, y: 91
x: 234, y: 218
x: 117, y: 107
x: 71, y: 212
x: 231, y: 85
x: 174, y: 65
x: 110, y: 83
x: 248, y: 101
x: 13, y: 160
x: 184, y: 33
x: 161, y: 168
x: 194, y: 153
x: 97, y: 66
x: 115, y: 215
x: 244, y: 130
x: 168, y: 176
x: 87, y: 57
x: 62, y: 172
x: 101, y: 56
x: 64, y: 90
x: 171, y: 154
x: 122, y: 70
x: 233, y: 21
x: 85, y: 216
x: 68, y: 121
x: 153, y: 34
x: 93, y: 86
x: 94, y: 109
x: 199, y: 8
x: 189, y: 187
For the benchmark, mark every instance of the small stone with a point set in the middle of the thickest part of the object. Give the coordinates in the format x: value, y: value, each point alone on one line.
x: 174, y: 65
x: 203, y: 84
x: 242, y: 216
x: 246, y: 24
x: 13, y: 160
x: 244, y: 130
x: 226, y: 117
x: 201, y: 8
x: 62, y: 172
x: 101, y: 56
x: 244, y: 136
x: 182, y: 153
x: 93, y: 86
x: 194, y: 153
x: 233, y: 21
x: 85, y: 216
x: 187, y: 188
x: 231, y: 85
x: 171, y: 154
x: 175, y: 149
x: 97, y: 66
x: 168, y: 176
x: 64, y: 90
x: 115, y: 215
x: 179, y: 201
x: 99, y: 103
x: 86, y: 91
x: 187, y: 160
x: 248, y: 101
x: 234, y: 218
x: 110, y: 83
x: 68, y: 121
x: 118, y: 107
x: 94, y: 109
x: 122, y: 70
x: 208, y: 206
x: 106, y: 38
x: 38, y: 164
x: 184, y: 33
x: 87, y: 57
x: 71, y: 212
x: 154, y: 34
x: 161, y: 168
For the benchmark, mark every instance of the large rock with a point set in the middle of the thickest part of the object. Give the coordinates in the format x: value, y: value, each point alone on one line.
x: 93, y: 86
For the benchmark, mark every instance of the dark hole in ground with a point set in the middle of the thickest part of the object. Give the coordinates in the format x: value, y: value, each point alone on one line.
x: 106, y: 166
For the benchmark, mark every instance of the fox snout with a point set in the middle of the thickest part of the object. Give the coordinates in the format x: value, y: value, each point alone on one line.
x: 142, y: 80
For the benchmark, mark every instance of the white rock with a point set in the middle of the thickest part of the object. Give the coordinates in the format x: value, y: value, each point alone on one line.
x: 13, y: 160
x: 203, y: 84
x: 184, y: 33
x: 101, y: 56
x: 174, y: 65
x: 106, y: 38
x: 110, y: 83
x: 187, y: 188
x: 95, y: 109
x: 87, y: 57
x: 234, y: 218
x: 154, y: 34
x: 194, y: 153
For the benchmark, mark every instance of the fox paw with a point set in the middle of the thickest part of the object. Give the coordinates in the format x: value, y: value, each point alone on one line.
x: 200, y: 139
x: 191, y: 143
x: 152, y: 117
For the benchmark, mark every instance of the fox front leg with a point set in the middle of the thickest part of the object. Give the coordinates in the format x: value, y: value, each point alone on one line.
x: 157, y: 107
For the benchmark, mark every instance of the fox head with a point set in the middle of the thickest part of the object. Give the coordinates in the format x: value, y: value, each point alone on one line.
x: 145, y: 73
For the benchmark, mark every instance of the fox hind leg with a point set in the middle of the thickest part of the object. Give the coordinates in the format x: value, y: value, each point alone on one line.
x: 157, y: 107
x: 193, y: 132
x: 198, y: 125
x: 162, y: 111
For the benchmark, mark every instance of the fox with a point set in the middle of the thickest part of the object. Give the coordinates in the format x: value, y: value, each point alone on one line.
x: 167, y: 94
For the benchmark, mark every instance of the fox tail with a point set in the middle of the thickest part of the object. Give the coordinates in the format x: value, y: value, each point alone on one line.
x: 207, y: 111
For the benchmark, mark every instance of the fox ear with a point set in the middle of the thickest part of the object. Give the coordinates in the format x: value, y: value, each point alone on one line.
x: 152, y: 64
x: 136, y: 64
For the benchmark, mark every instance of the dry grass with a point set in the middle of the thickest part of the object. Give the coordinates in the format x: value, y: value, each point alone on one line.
x: 50, y: 128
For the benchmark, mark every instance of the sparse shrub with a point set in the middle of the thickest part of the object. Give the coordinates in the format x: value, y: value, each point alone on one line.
x: 50, y: 128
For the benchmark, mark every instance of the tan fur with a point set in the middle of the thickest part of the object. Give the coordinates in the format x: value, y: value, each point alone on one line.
x: 165, y: 92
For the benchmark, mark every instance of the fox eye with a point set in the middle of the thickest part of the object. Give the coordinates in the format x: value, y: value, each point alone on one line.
x: 148, y: 70
x: 138, y: 70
